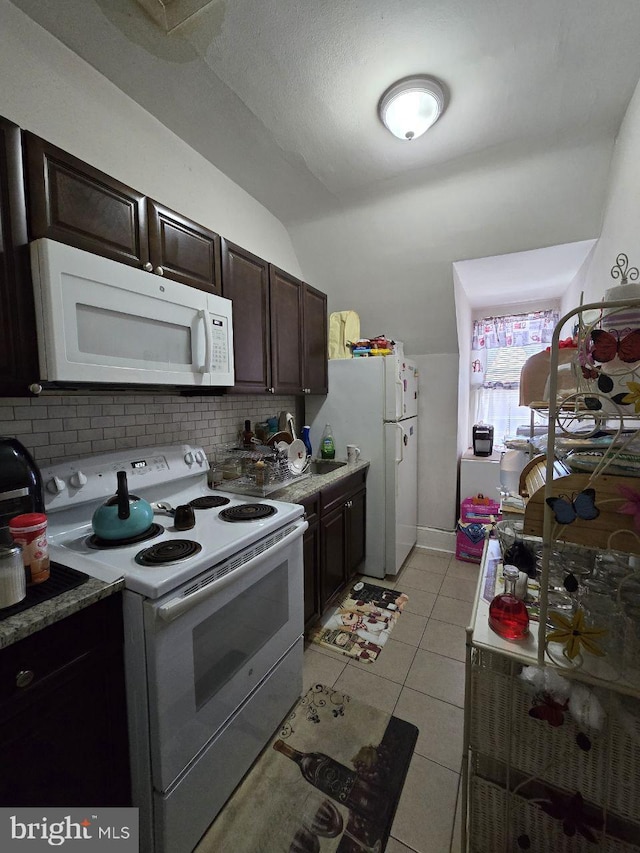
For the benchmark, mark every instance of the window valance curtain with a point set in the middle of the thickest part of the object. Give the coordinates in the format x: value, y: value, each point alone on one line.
x: 514, y: 330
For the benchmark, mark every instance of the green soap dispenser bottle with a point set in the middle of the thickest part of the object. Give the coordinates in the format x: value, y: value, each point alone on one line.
x: 327, y: 445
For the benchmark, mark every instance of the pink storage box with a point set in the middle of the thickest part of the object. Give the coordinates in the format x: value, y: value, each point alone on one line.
x: 482, y: 512
x: 470, y: 552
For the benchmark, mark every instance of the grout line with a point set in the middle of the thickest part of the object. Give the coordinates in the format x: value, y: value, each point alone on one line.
x: 413, y: 849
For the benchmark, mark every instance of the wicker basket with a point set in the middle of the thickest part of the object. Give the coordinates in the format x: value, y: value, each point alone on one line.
x: 493, y: 811
x: 608, y: 773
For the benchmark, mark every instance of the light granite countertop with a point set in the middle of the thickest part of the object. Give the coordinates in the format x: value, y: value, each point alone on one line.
x: 303, y: 488
x: 33, y: 619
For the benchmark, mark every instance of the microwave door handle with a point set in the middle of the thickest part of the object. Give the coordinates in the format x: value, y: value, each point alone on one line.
x: 204, y: 315
x: 177, y: 606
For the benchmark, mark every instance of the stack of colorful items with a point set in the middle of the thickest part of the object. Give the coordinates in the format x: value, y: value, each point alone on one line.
x: 478, y: 516
x: 366, y: 347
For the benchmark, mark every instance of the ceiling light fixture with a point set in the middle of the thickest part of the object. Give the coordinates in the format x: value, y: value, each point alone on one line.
x: 411, y: 106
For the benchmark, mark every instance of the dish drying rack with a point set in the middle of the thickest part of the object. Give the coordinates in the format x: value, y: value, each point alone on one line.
x: 257, y: 470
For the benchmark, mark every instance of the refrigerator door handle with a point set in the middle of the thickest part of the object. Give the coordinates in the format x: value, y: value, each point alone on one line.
x: 399, y: 397
x: 402, y: 441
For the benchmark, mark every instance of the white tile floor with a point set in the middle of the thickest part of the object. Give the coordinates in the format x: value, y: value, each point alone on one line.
x: 420, y: 678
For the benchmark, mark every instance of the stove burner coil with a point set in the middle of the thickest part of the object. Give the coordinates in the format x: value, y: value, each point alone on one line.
x: 150, y: 533
x: 247, y: 512
x: 170, y: 551
x: 208, y: 502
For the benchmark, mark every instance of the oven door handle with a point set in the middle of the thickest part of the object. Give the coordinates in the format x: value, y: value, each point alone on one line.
x: 177, y: 606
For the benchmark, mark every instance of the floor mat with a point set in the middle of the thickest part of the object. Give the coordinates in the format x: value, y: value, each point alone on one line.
x: 361, y: 624
x: 328, y: 782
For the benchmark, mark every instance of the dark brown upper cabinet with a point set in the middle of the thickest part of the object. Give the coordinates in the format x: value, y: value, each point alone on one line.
x: 70, y: 201
x: 315, y: 336
x: 287, y: 350
x: 279, y: 327
x: 245, y: 281
x: 183, y: 250
x: 18, y: 351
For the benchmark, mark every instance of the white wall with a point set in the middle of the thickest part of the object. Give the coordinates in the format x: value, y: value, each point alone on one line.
x: 437, y: 440
x: 391, y: 261
x: 51, y: 91
x: 621, y: 224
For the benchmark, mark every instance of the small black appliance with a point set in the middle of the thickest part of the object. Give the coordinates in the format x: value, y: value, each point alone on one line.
x: 20, y: 484
x: 482, y: 440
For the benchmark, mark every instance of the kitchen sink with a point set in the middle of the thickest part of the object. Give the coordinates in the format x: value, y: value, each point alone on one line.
x: 325, y: 466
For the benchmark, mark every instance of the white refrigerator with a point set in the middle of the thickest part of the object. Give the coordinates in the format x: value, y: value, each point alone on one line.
x: 373, y: 403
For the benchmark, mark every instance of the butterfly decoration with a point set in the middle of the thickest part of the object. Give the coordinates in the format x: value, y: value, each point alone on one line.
x: 582, y: 506
x: 549, y: 710
x: 607, y: 345
x: 632, y: 504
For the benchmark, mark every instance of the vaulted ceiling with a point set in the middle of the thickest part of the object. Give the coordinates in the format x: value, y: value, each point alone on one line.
x: 281, y: 95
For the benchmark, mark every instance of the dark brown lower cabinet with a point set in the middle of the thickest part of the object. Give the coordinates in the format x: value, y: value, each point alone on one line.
x: 334, y: 545
x: 63, y: 716
x: 311, y: 554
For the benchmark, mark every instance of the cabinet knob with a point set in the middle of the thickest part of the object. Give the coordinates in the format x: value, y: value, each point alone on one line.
x: 159, y: 271
x: 24, y: 677
x: 272, y: 390
x: 35, y: 388
x: 148, y: 267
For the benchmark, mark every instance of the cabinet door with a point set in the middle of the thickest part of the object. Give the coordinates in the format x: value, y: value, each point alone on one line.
x: 311, y: 552
x: 285, y: 293
x: 315, y: 378
x: 63, y: 724
x: 333, y: 540
x: 245, y: 281
x: 18, y: 349
x: 356, y: 531
x: 183, y: 250
x: 58, y: 747
x: 70, y: 201
x: 311, y: 549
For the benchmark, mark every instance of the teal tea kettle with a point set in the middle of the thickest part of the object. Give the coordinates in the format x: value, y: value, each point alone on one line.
x: 123, y: 516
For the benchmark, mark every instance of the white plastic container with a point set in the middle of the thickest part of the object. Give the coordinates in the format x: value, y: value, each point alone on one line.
x: 13, y: 582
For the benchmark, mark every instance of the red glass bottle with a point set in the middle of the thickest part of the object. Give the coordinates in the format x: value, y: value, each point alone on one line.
x: 507, y: 614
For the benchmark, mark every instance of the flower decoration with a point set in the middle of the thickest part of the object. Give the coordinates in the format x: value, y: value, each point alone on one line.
x: 632, y: 505
x: 549, y: 709
x: 571, y: 811
x: 574, y: 634
x: 633, y: 396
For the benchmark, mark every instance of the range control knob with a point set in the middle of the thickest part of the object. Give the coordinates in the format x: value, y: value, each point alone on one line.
x: 55, y: 485
x: 188, y: 457
x: 199, y: 457
x: 78, y: 479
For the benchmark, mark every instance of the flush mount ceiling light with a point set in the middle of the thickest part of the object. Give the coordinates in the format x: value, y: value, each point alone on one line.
x: 411, y: 106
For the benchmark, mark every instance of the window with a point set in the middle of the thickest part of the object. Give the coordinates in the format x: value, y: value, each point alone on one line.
x: 500, y: 348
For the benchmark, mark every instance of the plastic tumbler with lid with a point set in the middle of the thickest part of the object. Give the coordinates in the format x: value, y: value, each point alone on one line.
x: 30, y: 531
x: 12, y: 580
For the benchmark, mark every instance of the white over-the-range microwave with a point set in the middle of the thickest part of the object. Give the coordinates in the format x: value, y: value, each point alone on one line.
x: 100, y: 321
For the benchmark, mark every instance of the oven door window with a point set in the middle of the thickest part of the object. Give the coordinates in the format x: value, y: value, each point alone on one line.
x: 203, y: 665
x: 226, y: 640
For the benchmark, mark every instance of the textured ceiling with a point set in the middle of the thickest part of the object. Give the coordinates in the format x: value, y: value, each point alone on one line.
x: 281, y: 95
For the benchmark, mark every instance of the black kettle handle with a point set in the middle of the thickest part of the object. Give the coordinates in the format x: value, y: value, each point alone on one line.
x: 122, y: 493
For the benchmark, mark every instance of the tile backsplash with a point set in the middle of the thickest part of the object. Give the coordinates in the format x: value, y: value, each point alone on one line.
x: 54, y: 427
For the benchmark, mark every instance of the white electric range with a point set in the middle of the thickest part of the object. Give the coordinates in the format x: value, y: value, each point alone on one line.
x: 213, y: 626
